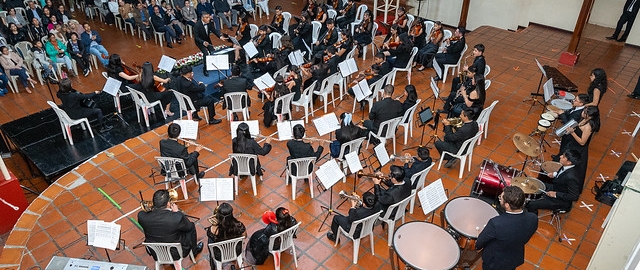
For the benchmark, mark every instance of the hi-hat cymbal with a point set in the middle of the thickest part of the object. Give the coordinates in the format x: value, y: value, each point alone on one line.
x: 550, y: 166
x: 526, y: 144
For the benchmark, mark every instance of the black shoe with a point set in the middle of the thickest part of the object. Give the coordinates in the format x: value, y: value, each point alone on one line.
x: 169, y: 45
x: 86, y: 72
x: 104, y: 128
x: 198, y: 249
x: 450, y: 163
x: 633, y: 96
x: 331, y: 236
x: 621, y: 40
x: 200, y: 175
x: 179, y: 41
x: 206, y: 73
x: 195, y: 116
x: 436, y: 78
x: 214, y: 121
x: 235, y: 117
x: 612, y: 38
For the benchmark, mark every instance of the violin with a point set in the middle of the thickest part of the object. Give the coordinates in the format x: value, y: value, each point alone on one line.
x: 454, y: 38
x: 326, y: 58
x: 366, y: 75
x: 131, y: 72
x: 319, y: 17
x: 158, y: 85
x: 307, y: 65
x: 394, y: 44
x: 415, y: 30
x: 262, y: 60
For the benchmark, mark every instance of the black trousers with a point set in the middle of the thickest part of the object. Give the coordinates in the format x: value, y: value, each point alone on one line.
x: 209, y: 102
x: 442, y: 146
x: 628, y: 18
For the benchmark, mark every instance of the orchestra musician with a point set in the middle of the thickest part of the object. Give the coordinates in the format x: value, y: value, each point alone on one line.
x: 424, y: 58
x: 379, y: 68
x: 344, y: 46
x: 392, y: 40
x: 398, y: 190
x: 453, y: 140
x: 244, y: 144
x: 414, y: 165
x: 243, y: 34
x: 316, y: 73
x: 262, y: 42
x: 565, y: 188
x: 165, y: 223
x: 383, y: 110
x: 479, y: 61
x: 280, y: 56
x: 399, y: 56
x: 201, y: 31
x: 295, y: 82
x: 321, y: 16
x: 332, y: 60
x: 235, y: 83
x: 225, y: 227
x: 336, y: 5
x: 300, y: 149
x: 410, y: 97
x: 279, y: 89
x: 455, y: 96
x: 400, y: 21
x: 453, y: 51
x: 310, y: 8
x: 301, y: 32
x: 170, y: 147
x: 346, y: 133
x: 362, y: 33
x: 149, y: 87
x: 597, y: 86
x: 472, y: 97
x: 417, y: 33
x: 195, y: 90
x: 115, y: 70
x: 347, y: 15
x: 72, y: 104
x: 576, y: 112
x: 367, y: 208
x: 330, y: 38
x: 278, y: 20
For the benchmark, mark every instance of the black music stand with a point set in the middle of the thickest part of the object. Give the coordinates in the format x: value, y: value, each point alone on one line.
x: 534, y: 96
x: 425, y: 116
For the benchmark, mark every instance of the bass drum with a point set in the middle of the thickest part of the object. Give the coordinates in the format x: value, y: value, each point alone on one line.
x: 488, y: 182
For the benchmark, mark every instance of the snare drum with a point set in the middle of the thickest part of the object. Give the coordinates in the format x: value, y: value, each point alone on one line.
x: 532, y: 187
x: 569, y: 97
x: 488, y: 181
x: 543, y: 125
x: 466, y: 218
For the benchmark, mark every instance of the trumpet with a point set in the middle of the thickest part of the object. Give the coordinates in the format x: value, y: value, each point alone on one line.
x: 402, y: 158
x: 190, y: 142
x: 385, y: 180
x: 353, y: 197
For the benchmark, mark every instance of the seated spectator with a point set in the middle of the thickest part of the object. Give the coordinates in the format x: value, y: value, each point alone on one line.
x: 57, y: 52
x: 92, y: 40
x: 13, y: 63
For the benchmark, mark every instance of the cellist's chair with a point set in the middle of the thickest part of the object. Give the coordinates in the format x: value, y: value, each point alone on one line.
x: 243, y: 162
x: 163, y: 254
x: 66, y: 122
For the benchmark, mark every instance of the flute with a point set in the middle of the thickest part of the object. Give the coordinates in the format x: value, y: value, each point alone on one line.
x: 399, y: 97
x: 316, y: 139
x: 190, y: 142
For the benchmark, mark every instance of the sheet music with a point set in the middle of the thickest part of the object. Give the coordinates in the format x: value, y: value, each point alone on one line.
x: 250, y: 49
x: 216, y: 189
x: 254, y: 127
x: 265, y: 81
x: 361, y: 90
x: 381, y: 154
x: 296, y: 58
x: 188, y: 129
x: 326, y: 123
x: 437, y: 68
x: 348, y: 67
x: 217, y: 62
x: 541, y: 68
x: 353, y: 161
x: 224, y: 51
x: 235, y: 41
x: 548, y: 90
x: 112, y: 86
x: 166, y: 63
x: 103, y: 234
x: 432, y: 196
x: 329, y: 173
x: 285, y: 129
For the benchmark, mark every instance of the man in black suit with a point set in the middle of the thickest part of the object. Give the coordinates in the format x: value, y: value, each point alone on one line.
x: 162, y: 23
x: 453, y: 51
x: 453, y: 140
x: 300, y: 149
x: 576, y: 112
x: 195, y: 90
x: 34, y: 12
x: 334, y: 60
x: 347, y: 15
x: 383, y: 110
x: 417, y: 165
x: 201, y: 31
x: 172, y: 148
x: 328, y: 38
x: 235, y: 83
x: 478, y: 66
x: 367, y: 208
x: 165, y: 223
x: 503, y: 238
x: 629, y: 13
x: 565, y: 188
x: 397, y: 191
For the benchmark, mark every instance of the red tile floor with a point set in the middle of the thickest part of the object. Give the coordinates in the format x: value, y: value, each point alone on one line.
x: 55, y: 222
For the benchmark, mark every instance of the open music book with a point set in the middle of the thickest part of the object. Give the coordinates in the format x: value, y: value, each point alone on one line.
x: 285, y: 129
x: 216, y: 189
x: 326, y: 123
x: 296, y: 58
x: 382, y: 154
x: 166, y: 63
x: 250, y: 49
x: 348, y: 67
x: 432, y: 196
x: 353, y: 161
x: 103, y: 234
x: 188, y: 129
x: 217, y: 62
x: 112, y: 86
x: 329, y: 173
x: 548, y: 90
x: 361, y: 90
x: 265, y: 81
x: 254, y: 127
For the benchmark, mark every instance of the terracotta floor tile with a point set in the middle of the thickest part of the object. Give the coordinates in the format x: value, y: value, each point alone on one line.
x: 561, y: 251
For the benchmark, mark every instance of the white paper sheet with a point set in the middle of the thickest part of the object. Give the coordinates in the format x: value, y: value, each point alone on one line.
x: 166, y: 63
x: 361, y: 90
x: 348, y: 67
x: 381, y: 154
x: 188, y: 129
x: 353, y: 161
x: 548, y: 90
x: 296, y: 58
x: 112, y: 86
x: 254, y: 127
x: 235, y: 41
x: 217, y: 62
x: 265, y: 81
x: 326, y: 123
x: 250, y: 49
x: 216, y: 189
x: 329, y: 173
x: 432, y: 196
x: 103, y: 234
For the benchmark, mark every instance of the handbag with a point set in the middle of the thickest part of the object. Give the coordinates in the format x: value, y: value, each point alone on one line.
x: 607, y: 192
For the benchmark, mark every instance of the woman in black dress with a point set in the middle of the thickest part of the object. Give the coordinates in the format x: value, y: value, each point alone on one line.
x: 597, y: 87
x: 224, y: 227
x: 73, y: 103
x: 579, y: 138
x: 244, y: 144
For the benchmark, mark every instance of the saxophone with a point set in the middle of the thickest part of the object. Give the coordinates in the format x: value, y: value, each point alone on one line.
x: 462, y: 74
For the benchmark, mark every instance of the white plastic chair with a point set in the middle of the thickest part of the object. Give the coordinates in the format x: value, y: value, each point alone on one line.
x: 410, y: 19
x: 366, y: 230
x: 287, y: 20
x: 346, y: 148
x: 487, y: 83
x: 264, y: 7
x: 407, y: 121
x: 304, y: 170
x: 487, y: 70
x: 275, y: 40
x: 175, y: 170
x: 466, y: 150
x: 326, y: 88
x: 157, y: 35
x: 408, y: 68
x: 420, y: 176
x: 186, y: 104
x: 116, y: 98
x: 306, y: 101
x: 235, y: 98
x: 228, y: 252
x: 428, y: 25
x: 398, y: 211
x: 282, y: 71
x: 315, y: 32
x: 66, y: 122
x: 374, y: 30
x: 249, y: 8
x: 284, y: 102
x: 243, y: 161
x: 143, y: 104
x: 483, y: 120
x: 359, y: 16
x: 163, y: 254
x: 446, y: 34
x: 253, y: 30
x: 454, y: 67
x: 387, y: 130
x: 332, y: 14
x: 286, y: 242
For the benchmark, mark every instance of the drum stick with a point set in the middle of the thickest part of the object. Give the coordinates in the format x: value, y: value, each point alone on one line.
x: 542, y: 190
x: 634, y: 157
x: 544, y: 173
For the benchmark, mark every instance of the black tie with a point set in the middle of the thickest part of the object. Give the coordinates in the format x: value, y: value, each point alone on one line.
x: 560, y: 171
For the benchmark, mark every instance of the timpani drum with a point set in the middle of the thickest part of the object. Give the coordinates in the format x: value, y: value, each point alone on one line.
x: 543, y: 125
x: 488, y: 181
x: 532, y: 187
x: 467, y: 216
x: 561, y: 104
x: 410, y: 243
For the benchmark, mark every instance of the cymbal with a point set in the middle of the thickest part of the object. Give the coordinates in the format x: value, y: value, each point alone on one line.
x: 529, y: 185
x: 550, y: 166
x: 526, y: 144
